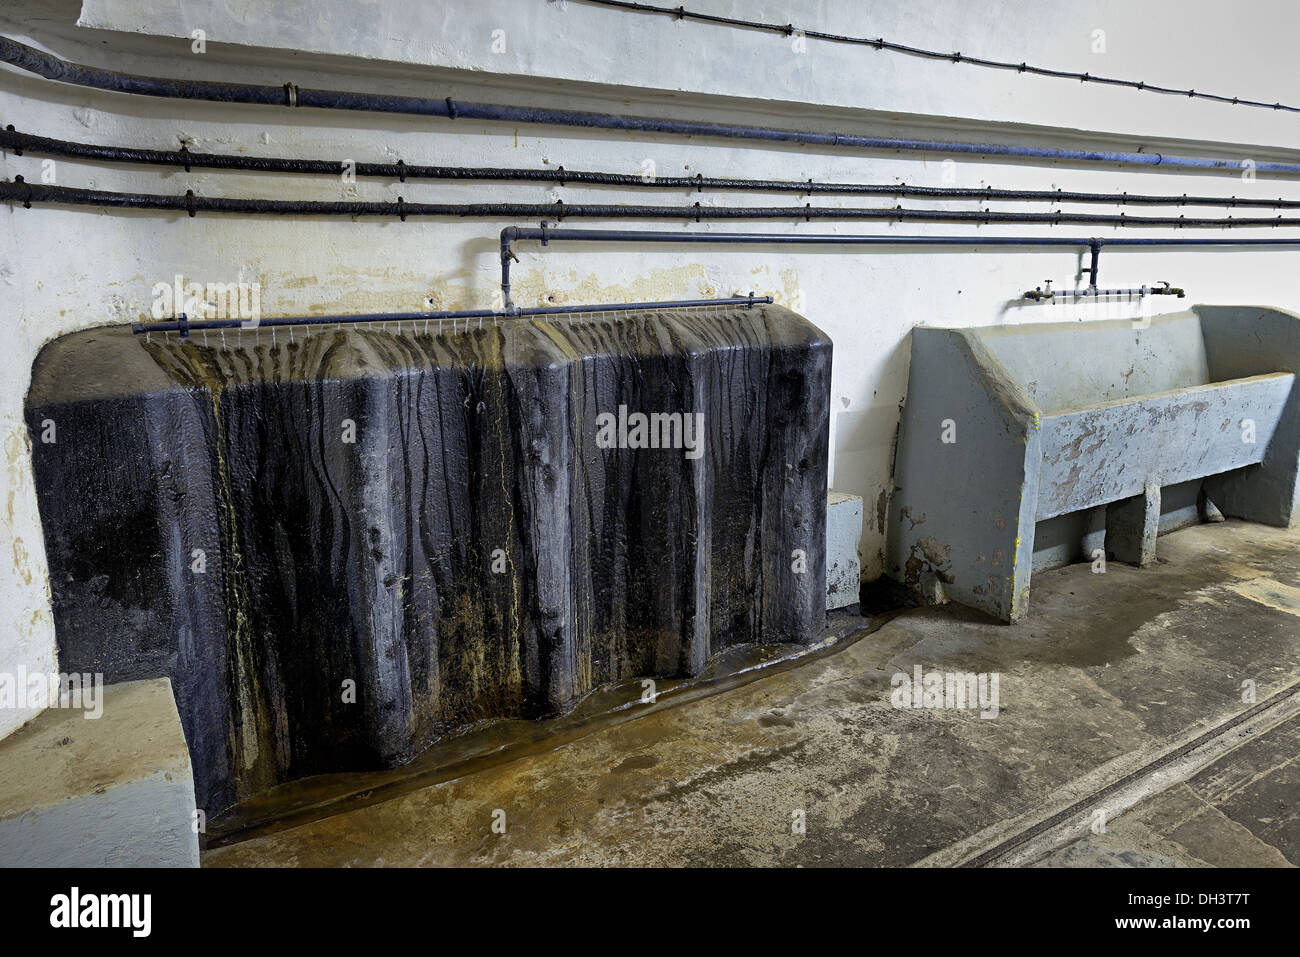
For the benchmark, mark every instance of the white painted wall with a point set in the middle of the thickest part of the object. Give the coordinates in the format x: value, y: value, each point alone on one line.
x: 66, y: 269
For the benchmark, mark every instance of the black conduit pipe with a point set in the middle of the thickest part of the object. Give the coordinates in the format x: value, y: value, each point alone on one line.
x: 20, y: 143
x: 184, y: 326
x: 547, y: 235
x: 19, y: 190
x: 880, y: 43
x: 51, y: 67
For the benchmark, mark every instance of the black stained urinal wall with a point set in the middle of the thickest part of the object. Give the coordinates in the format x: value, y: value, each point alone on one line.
x: 345, y: 544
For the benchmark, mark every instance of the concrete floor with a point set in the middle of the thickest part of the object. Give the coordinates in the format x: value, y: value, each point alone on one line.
x: 1108, y: 672
x: 1241, y: 811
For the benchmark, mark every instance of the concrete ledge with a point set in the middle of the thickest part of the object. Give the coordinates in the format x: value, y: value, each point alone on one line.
x: 116, y: 791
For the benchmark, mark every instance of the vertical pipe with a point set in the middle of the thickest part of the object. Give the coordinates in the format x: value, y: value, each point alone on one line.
x: 507, y: 254
x: 1095, y: 246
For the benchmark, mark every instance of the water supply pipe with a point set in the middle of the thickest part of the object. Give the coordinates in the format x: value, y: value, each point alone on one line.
x: 19, y: 190
x: 20, y: 142
x: 1047, y: 293
x: 291, y: 95
x: 547, y: 234
x: 183, y: 325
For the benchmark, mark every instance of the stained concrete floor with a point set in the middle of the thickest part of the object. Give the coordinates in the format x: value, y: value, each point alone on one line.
x: 1106, y: 672
x: 1241, y: 811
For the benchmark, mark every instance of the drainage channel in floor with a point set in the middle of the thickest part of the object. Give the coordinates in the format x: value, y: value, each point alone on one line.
x: 1115, y: 789
x: 493, y: 743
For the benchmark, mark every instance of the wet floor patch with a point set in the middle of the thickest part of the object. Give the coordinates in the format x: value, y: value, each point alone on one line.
x: 495, y: 742
x: 812, y: 765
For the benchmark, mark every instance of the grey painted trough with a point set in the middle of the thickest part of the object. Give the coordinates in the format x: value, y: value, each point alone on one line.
x: 1009, y: 427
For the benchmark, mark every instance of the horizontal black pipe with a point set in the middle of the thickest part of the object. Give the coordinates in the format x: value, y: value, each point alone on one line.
x: 550, y: 234
x: 46, y: 146
x: 28, y: 193
x: 51, y: 67
x: 880, y: 43
x: 547, y: 235
x: 184, y: 326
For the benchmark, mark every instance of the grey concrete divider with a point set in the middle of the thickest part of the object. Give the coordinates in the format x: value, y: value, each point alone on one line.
x: 1007, y: 427
x: 1243, y: 341
x: 965, y: 493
